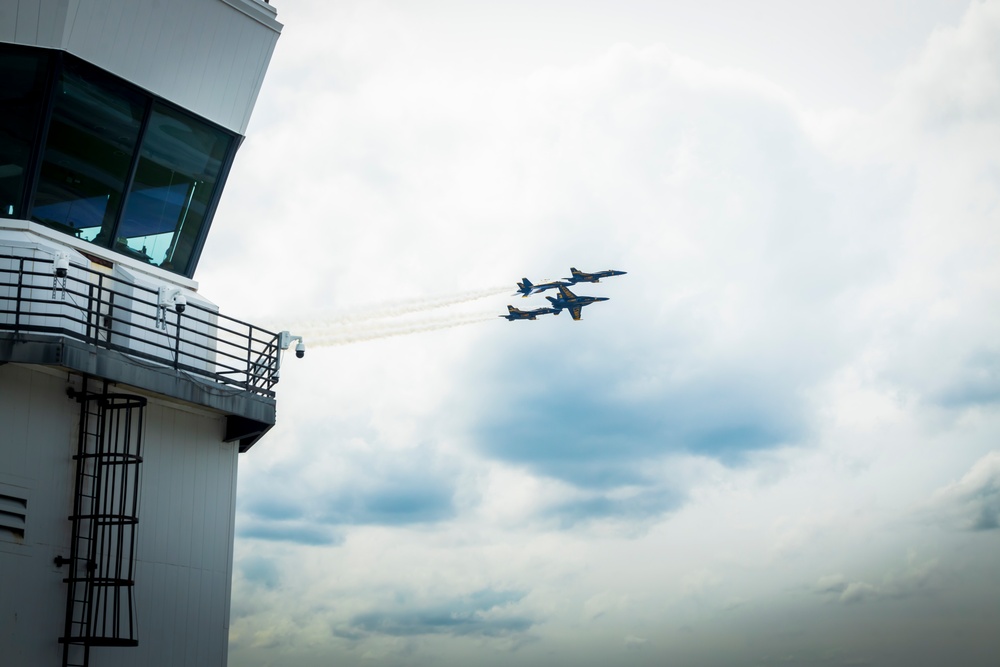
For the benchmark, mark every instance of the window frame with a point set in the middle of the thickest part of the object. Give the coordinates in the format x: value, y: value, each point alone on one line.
x: 56, y: 63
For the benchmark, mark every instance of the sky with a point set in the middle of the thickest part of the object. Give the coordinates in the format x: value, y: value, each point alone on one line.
x: 775, y: 444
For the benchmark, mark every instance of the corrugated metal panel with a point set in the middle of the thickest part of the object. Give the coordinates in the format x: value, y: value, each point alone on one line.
x: 37, y: 423
x: 34, y: 22
x: 208, y: 57
x: 8, y: 21
x: 26, y: 21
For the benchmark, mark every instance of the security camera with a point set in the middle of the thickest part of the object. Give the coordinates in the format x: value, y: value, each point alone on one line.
x: 61, y: 265
x: 180, y: 303
x: 285, y: 339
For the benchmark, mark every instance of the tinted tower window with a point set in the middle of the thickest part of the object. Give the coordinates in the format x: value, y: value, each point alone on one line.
x: 21, y: 92
x: 89, y: 154
x: 92, y: 137
x: 179, y: 165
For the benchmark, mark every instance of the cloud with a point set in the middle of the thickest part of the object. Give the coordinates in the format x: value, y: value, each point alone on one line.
x: 762, y: 263
x: 641, y: 503
x: 260, y: 571
x: 974, y: 383
x: 914, y: 577
x: 311, y: 502
x: 281, y: 531
x: 973, y: 502
x: 485, y: 613
x: 956, y: 81
x: 582, y: 423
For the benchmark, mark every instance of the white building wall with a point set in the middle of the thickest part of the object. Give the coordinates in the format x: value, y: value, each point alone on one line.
x: 36, y: 421
x: 181, y: 54
x: 184, y: 536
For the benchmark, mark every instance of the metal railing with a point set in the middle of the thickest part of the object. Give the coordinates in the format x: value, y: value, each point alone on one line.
x: 110, y: 312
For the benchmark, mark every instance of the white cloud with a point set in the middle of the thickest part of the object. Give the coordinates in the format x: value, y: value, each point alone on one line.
x: 830, y: 283
x: 915, y: 576
x: 973, y: 502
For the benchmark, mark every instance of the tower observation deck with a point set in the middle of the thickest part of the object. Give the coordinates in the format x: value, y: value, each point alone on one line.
x: 119, y: 381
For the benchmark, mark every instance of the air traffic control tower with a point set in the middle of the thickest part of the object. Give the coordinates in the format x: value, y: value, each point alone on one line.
x: 125, y: 396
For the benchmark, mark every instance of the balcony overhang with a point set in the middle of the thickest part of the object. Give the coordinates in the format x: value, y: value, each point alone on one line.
x: 248, y: 415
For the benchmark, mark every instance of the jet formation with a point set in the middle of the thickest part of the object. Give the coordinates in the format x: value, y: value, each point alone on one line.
x: 566, y: 300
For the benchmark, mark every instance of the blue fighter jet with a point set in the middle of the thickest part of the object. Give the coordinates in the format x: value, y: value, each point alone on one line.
x: 516, y: 314
x: 526, y: 288
x: 581, y: 277
x: 572, y: 302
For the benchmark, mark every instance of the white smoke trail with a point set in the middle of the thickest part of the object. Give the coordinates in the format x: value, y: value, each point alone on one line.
x: 391, y: 309
x: 327, y: 337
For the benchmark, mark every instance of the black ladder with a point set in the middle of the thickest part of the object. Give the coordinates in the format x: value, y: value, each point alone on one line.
x: 100, y: 606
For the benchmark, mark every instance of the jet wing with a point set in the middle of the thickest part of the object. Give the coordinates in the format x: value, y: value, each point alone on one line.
x: 566, y: 294
x: 575, y: 312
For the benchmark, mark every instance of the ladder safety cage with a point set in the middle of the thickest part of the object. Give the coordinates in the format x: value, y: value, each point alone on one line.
x: 106, y: 311
x: 100, y: 602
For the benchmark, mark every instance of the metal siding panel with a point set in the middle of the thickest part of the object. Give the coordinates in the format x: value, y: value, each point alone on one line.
x: 200, y: 481
x: 189, y: 622
x: 152, y: 35
x: 218, y: 64
x: 230, y: 523
x: 8, y: 21
x: 120, y: 46
x: 170, y: 628
x: 90, y: 37
x: 26, y: 30
x: 203, y: 614
x: 52, y: 23
x: 32, y: 590
x: 237, y: 61
x: 257, y: 55
x: 143, y: 26
x: 156, y: 497
x: 189, y: 510
x: 14, y: 412
x: 200, y: 55
x: 203, y: 56
x: 172, y: 475
x: 179, y: 69
x: 51, y: 427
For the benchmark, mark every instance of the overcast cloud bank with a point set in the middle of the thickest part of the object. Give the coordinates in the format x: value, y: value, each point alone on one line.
x: 775, y: 444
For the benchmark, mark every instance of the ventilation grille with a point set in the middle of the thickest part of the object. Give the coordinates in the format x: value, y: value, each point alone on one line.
x: 13, y: 512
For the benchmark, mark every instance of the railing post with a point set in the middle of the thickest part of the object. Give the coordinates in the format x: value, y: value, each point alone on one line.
x: 17, y: 306
x: 109, y: 319
x: 98, y: 324
x: 91, y: 334
x: 251, y: 372
x: 272, y: 362
x: 177, y: 343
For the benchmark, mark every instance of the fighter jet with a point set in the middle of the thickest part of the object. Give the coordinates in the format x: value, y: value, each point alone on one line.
x: 581, y: 277
x: 516, y: 314
x: 526, y: 288
x: 574, y: 303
